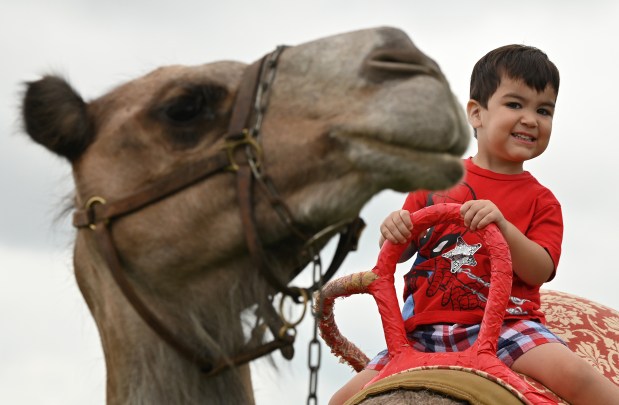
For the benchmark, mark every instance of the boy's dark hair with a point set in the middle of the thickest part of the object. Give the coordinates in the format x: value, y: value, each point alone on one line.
x: 518, y: 62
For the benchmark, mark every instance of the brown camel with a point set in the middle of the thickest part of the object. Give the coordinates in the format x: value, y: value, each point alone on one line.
x: 165, y: 269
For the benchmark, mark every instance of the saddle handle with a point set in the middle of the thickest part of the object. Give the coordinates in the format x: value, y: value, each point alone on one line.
x: 480, y: 356
x: 380, y: 284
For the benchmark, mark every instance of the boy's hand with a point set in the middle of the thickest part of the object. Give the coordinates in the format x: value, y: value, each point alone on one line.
x: 477, y: 214
x: 396, y: 228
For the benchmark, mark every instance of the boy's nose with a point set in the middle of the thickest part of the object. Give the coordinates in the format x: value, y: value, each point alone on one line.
x: 529, y: 119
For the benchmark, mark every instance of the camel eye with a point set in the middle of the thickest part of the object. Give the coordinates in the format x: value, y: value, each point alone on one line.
x: 190, y: 113
x: 194, y: 104
x: 185, y: 109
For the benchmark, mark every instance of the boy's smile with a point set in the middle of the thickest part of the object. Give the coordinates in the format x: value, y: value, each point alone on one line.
x: 515, y: 126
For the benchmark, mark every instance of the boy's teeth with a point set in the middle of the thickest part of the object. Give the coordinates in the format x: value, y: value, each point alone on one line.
x: 526, y: 138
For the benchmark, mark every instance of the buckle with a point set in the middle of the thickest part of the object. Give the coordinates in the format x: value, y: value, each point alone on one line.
x: 252, y: 149
x: 90, y: 211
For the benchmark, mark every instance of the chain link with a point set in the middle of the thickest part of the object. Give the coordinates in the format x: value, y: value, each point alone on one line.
x: 264, y: 88
x: 260, y: 106
x: 314, y: 349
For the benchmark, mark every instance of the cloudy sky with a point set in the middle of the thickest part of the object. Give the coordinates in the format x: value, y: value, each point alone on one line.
x: 49, y: 351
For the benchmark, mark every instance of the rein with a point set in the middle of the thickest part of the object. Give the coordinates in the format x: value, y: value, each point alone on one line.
x: 250, y: 106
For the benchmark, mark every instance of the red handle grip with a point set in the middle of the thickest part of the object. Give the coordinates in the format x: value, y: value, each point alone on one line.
x: 383, y: 288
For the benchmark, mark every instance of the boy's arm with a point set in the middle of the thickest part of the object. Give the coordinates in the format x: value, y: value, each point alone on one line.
x: 531, y: 262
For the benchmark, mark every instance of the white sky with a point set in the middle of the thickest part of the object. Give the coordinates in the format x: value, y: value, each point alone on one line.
x: 49, y: 351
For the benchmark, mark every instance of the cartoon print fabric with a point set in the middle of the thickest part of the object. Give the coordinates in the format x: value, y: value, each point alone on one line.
x: 444, y: 285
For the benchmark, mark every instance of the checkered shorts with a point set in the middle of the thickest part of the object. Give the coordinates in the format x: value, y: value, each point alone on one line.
x: 516, y: 338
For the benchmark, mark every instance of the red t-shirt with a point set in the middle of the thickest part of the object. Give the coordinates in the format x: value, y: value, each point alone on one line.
x: 440, y: 296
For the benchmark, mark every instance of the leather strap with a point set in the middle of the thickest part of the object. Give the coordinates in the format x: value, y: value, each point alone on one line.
x: 243, y: 105
x: 160, y: 189
x: 244, y: 191
x: 108, y: 251
x: 99, y: 214
x: 204, y: 360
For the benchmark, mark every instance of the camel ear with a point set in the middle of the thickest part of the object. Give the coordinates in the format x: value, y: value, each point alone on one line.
x: 56, y: 116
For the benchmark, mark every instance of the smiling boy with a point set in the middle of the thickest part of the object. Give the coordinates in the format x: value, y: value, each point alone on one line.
x: 512, y: 101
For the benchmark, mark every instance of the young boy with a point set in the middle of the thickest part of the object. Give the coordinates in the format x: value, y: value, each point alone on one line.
x: 512, y: 102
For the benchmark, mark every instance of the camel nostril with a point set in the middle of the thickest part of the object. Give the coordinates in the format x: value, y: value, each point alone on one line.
x: 386, y: 64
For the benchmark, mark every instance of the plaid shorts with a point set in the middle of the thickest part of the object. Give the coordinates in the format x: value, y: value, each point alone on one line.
x: 515, y: 339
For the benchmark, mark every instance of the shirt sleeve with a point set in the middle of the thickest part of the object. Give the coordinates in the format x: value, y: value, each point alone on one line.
x: 546, y: 229
x: 416, y: 201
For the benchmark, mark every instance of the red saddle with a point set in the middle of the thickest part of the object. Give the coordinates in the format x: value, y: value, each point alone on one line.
x: 480, y: 357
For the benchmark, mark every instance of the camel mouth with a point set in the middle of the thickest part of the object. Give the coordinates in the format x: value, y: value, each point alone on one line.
x: 437, y: 126
x: 404, y: 167
x: 450, y: 143
x: 420, y: 115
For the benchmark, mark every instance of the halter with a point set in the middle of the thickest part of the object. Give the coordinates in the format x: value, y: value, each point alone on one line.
x: 250, y: 107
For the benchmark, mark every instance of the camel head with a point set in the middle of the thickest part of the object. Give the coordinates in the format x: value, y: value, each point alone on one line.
x: 347, y: 116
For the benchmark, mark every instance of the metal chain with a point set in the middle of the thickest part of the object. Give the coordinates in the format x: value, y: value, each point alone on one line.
x: 264, y: 88
x: 260, y: 106
x: 314, y: 349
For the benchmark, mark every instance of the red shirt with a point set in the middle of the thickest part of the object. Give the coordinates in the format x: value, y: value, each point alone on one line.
x: 441, y: 296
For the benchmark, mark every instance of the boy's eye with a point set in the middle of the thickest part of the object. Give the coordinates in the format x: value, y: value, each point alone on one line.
x: 544, y: 111
x: 513, y: 105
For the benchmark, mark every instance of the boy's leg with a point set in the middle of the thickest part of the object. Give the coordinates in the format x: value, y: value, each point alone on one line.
x: 353, y: 386
x: 567, y: 374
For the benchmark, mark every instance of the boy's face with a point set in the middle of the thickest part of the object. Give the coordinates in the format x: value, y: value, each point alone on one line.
x: 515, y: 126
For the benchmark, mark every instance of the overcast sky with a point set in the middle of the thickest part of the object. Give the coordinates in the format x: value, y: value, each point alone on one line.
x: 49, y: 351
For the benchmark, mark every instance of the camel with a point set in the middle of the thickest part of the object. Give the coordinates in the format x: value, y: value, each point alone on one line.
x: 201, y: 191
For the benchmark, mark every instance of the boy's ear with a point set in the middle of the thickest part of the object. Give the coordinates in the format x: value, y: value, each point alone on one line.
x: 473, y: 113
